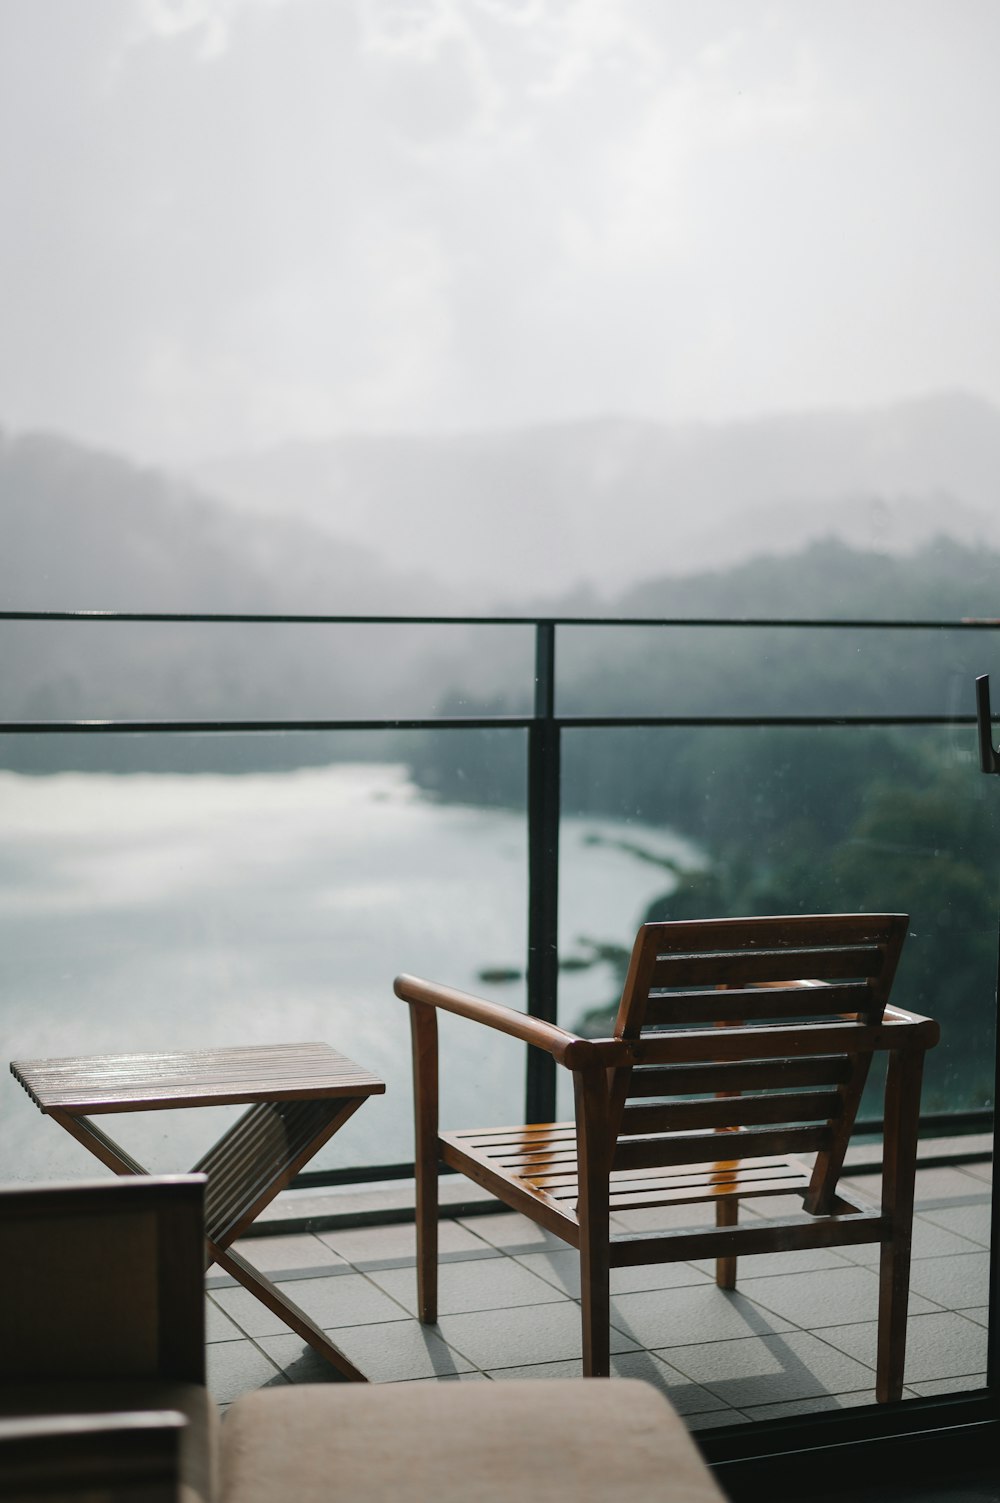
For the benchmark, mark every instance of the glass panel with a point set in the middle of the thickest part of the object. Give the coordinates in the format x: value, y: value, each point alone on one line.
x: 140, y: 670
x: 720, y: 671
x: 775, y: 820
x: 770, y: 820
x: 192, y: 907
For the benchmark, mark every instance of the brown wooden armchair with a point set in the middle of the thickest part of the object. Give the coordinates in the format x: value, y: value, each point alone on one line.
x: 738, y: 1043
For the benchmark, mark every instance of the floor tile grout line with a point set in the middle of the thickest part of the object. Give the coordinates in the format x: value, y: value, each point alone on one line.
x: 515, y: 1253
x: 629, y: 1334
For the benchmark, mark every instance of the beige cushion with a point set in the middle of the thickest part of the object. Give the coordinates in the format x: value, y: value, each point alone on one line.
x: 583, y: 1441
x: 199, y: 1443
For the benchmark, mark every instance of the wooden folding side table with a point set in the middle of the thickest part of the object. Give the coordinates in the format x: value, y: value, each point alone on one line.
x: 299, y: 1095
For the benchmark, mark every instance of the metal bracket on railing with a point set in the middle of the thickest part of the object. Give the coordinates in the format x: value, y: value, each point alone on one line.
x: 989, y: 757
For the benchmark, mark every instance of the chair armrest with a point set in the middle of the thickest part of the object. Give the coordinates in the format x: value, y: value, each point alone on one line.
x: 566, y: 1048
x: 925, y: 1032
x: 96, y: 1456
x: 119, y: 1255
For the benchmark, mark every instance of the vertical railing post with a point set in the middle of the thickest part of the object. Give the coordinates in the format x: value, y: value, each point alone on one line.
x: 543, y: 872
x: 993, y: 1314
x: 989, y: 762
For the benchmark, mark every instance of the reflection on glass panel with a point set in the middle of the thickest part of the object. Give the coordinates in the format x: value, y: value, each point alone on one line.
x: 816, y: 820
x: 271, y: 901
x: 733, y: 670
x: 769, y: 820
x: 140, y: 670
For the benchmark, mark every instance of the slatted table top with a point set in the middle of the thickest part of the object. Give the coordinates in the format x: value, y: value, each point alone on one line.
x: 202, y: 1077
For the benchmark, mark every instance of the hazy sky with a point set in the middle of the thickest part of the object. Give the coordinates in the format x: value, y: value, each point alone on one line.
x: 225, y: 222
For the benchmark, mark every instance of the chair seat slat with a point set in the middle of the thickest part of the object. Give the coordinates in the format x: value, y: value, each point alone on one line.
x: 526, y: 1152
x: 708, y: 1180
x: 705, y: 1192
x: 526, y: 1166
x: 684, y: 1176
x: 555, y: 1132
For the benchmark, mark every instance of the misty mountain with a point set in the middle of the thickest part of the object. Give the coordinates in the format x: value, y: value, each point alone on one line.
x: 85, y: 530
x: 88, y: 530
x: 609, y: 502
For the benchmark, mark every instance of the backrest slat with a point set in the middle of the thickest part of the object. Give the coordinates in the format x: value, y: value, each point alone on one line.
x: 764, y: 967
x: 730, y: 1111
x: 795, y: 930
x: 725, y: 1004
x: 767, y: 1042
x: 729, y: 1075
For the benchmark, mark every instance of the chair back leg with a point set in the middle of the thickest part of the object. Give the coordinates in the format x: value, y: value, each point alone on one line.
x: 899, y: 1167
x: 727, y: 1213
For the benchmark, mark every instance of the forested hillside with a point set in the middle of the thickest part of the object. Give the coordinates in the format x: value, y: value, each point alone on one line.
x: 787, y: 818
x: 796, y: 819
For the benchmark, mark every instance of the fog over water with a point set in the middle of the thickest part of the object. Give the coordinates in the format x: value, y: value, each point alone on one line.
x: 182, y: 912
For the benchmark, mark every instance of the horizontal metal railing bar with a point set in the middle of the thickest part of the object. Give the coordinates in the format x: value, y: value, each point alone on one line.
x: 461, y: 723
x: 197, y: 727
x: 235, y: 618
x: 326, y: 1179
x: 933, y: 1125
x: 585, y: 722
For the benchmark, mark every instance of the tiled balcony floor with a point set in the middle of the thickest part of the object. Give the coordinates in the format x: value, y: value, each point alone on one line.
x: 798, y: 1336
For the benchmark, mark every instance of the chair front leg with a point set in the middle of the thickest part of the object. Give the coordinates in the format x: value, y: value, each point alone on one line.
x: 423, y: 1033
x: 594, y: 1150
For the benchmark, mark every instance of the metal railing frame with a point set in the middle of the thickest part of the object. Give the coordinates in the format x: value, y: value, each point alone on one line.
x: 936, y: 1435
x: 939, y: 1433
x: 544, y: 727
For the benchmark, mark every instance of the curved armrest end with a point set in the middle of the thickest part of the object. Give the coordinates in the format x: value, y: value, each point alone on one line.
x: 922, y: 1033
x: 520, y: 1025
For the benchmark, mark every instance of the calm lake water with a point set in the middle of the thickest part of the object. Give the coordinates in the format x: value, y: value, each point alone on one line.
x: 167, y: 911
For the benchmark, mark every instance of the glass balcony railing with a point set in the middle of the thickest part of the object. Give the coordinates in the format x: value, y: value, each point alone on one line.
x: 229, y: 869
x: 219, y: 830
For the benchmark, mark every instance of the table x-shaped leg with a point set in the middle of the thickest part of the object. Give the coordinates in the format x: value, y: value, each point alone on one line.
x: 256, y: 1158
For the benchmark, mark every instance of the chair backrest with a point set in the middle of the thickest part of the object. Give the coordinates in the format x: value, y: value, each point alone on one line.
x: 103, y: 1279
x: 758, y: 1029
